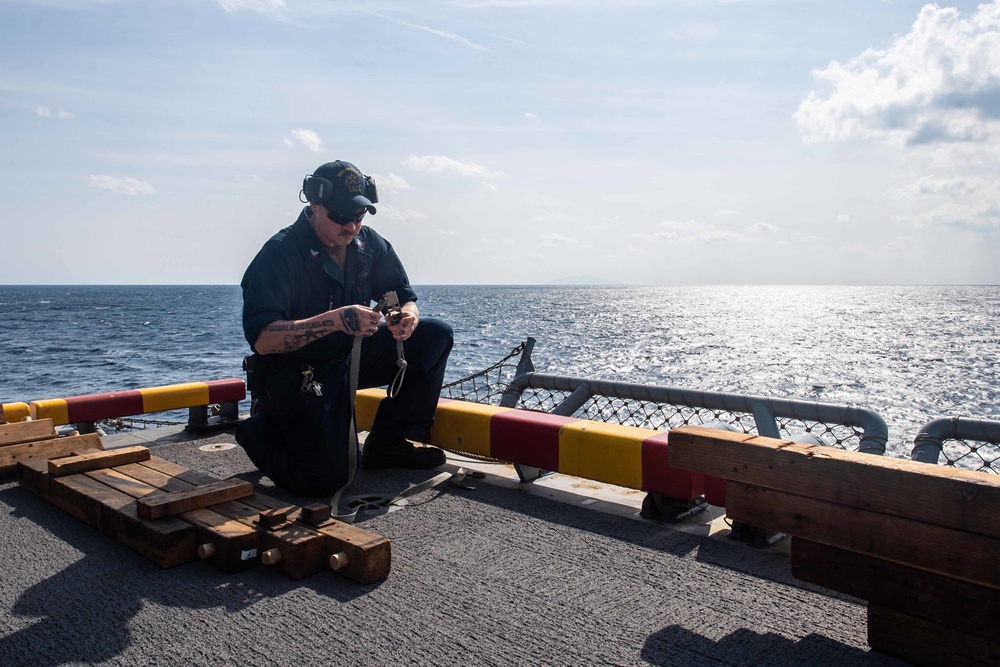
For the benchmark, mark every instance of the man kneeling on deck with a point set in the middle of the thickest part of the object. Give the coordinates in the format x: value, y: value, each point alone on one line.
x: 306, y: 297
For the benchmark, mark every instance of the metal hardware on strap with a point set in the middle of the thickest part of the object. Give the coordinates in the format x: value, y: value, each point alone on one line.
x: 389, y: 306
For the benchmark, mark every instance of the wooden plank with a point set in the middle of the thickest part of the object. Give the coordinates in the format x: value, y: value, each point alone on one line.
x: 927, y: 493
x: 945, y: 551
x: 927, y: 644
x: 167, y: 542
x: 172, y: 469
x: 96, y: 460
x: 49, y: 449
x: 294, y: 550
x: 170, y: 503
x: 932, y: 597
x: 366, y: 556
x: 224, y: 543
x: 152, y: 477
x: 18, y: 432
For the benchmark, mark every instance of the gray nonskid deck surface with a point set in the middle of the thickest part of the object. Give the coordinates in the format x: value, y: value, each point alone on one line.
x: 490, y: 576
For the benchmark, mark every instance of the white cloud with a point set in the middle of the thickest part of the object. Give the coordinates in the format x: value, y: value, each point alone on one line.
x: 725, y: 211
x: 391, y: 184
x: 764, y: 227
x: 306, y: 138
x: 689, y: 230
x: 552, y: 238
x: 443, y: 163
x: 122, y: 185
x: 843, y: 217
x: 392, y: 213
x: 262, y: 6
x: 450, y: 36
x: 952, y: 186
x: 45, y: 112
x: 957, y: 202
x: 938, y: 83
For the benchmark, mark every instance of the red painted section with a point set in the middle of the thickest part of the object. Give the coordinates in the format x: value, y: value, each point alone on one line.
x: 658, y: 476
x: 93, y: 407
x: 715, y: 491
x: 223, y: 391
x: 528, y: 438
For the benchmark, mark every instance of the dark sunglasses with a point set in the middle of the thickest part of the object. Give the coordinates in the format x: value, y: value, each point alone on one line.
x: 346, y: 219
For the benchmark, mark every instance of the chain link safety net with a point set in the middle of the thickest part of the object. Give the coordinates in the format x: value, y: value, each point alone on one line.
x: 971, y: 455
x: 663, y: 417
x: 487, y: 387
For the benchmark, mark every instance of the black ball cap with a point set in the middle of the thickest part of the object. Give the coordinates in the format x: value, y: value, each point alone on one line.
x: 348, y: 189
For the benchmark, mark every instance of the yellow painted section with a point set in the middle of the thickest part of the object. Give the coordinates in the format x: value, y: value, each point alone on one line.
x: 464, y: 426
x: 51, y: 408
x: 603, y: 452
x: 174, y: 396
x: 365, y: 404
x: 15, y: 412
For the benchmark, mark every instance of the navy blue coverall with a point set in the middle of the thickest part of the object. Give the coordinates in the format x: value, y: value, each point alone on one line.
x: 300, y: 439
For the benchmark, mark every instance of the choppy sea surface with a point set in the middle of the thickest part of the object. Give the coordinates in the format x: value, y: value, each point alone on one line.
x: 910, y: 353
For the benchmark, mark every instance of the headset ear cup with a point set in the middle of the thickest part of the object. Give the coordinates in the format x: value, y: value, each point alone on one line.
x: 315, y: 189
x: 370, y: 190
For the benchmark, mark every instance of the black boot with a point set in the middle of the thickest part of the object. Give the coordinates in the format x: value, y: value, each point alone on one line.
x: 388, y: 450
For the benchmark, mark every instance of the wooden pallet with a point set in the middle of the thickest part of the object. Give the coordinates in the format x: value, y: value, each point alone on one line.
x: 172, y: 515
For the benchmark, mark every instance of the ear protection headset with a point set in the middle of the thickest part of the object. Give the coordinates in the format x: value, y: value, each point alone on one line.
x: 316, y: 189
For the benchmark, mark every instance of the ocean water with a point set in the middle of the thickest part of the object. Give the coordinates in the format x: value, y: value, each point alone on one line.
x: 909, y: 353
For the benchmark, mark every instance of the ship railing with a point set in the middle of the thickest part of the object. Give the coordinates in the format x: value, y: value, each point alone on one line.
x: 961, y: 442
x: 848, y: 427
x: 510, y: 383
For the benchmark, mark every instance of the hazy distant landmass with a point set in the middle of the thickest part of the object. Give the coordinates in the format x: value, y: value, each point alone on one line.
x: 584, y: 280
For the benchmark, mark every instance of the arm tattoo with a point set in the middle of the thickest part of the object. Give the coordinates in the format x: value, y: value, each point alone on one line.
x: 301, y: 334
x: 351, y: 322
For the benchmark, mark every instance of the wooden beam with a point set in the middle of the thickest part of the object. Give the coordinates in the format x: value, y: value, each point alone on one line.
x: 167, y: 542
x: 946, y: 551
x: 72, y: 465
x: 170, y: 503
x: 18, y: 432
x: 933, y: 597
x: 231, y: 546
x: 50, y: 449
x: 301, y: 551
x: 927, y: 644
x: 363, y: 556
x: 931, y: 494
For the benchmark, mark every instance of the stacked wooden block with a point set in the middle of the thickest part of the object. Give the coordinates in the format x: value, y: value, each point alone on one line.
x: 920, y: 543
x: 174, y: 515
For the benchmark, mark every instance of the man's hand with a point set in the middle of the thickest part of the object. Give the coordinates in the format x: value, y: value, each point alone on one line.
x: 358, y: 320
x: 407, y: 323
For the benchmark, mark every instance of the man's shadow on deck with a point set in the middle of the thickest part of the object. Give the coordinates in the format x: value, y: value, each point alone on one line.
x: 85, y: 610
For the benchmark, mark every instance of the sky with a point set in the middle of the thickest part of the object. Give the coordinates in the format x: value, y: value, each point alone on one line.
x: 513, y: 141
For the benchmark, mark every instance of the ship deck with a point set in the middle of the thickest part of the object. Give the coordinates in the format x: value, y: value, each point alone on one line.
x: 559, y: 572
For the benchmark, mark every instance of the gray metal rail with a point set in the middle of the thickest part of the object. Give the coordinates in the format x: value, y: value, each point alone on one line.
x: 765, y: 411
x: 929, y: 445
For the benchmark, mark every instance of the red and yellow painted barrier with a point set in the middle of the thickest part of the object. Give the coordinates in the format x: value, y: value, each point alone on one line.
x: 15, y: 412
x: 94, y: 407
x: 624, y: 455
